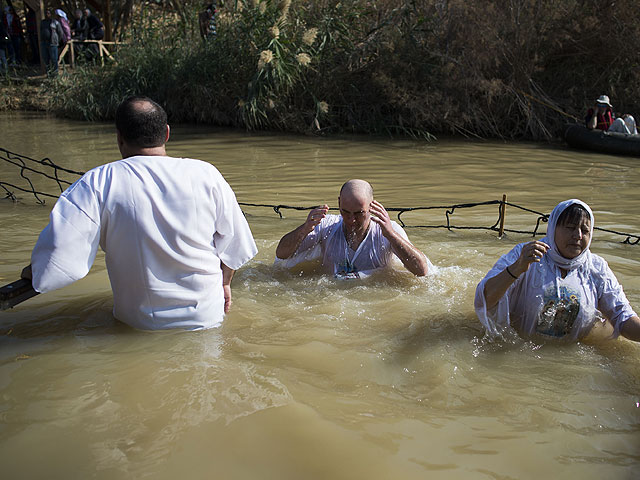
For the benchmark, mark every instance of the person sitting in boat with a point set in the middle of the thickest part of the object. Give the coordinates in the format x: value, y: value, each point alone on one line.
x: 624, y: 124
x: 355, y: 243
x: 601, y: 115
x: 555, y: 288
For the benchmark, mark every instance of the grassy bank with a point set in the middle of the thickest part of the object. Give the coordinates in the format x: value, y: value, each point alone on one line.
x: 518, y: 69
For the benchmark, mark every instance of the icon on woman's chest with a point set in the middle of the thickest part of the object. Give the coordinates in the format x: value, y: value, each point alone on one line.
x: 346, y: 270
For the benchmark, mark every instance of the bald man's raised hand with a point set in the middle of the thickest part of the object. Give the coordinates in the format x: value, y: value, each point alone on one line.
x: 315, y: 216
x: 381, y: 217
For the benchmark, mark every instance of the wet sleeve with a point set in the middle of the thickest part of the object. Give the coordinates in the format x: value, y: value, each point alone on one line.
x: 612, y: 301
x: 498, y: 318
x: 309, y: 249
x: 67, y: 247
x: 232, y: 239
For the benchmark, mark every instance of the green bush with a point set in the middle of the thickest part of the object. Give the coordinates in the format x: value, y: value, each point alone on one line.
x: 517, y: 69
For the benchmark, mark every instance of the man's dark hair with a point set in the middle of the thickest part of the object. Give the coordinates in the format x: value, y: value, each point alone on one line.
x: 141, y: 122
x: 573, y: 215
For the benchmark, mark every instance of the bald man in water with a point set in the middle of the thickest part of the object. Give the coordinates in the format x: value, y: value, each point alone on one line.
x: 355, y: 243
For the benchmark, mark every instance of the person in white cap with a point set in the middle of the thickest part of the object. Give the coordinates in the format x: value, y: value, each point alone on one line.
x: 601, y: 115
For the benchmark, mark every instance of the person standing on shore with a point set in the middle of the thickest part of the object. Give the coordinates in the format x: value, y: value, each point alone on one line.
x: 50, y: 37
x: 4, y: 41
x: 13, y: 25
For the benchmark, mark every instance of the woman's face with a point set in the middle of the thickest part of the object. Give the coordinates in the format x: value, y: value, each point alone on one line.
x: 572, y: 238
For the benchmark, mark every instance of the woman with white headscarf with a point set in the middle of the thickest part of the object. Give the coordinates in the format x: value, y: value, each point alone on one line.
x: 555, y: 287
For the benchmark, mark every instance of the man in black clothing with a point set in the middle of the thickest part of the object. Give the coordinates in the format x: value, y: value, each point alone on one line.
x: 79, y: 27
x: 96, y: 27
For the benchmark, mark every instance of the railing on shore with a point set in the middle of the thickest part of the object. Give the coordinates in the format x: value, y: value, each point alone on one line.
x: 71, y: 49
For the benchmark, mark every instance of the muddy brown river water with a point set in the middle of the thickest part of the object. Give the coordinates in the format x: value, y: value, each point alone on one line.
x: 313, y: 378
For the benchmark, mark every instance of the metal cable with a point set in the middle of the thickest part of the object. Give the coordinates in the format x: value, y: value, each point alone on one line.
x: 23, y: 161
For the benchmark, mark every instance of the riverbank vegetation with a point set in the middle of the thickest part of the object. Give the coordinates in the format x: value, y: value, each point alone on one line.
x: 493, y: 69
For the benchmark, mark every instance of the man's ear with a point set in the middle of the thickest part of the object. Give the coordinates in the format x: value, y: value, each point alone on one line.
x: 168, y: 133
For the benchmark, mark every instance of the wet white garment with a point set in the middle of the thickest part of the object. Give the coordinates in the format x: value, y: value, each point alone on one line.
x: 624, y: 125
x: 630, y: 122
x: 165, y: 224
x: 328, y: 243
x: 541, y: 302
x: 619, y: 126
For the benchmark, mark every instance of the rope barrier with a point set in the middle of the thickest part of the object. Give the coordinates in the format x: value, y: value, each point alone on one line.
x: 23, y: 161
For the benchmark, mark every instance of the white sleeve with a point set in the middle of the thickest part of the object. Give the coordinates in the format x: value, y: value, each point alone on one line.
x: 67, y: 247
x: 309, y: 249
x: 612, y: 301
x: 496, y: 319
x: 232, y: 239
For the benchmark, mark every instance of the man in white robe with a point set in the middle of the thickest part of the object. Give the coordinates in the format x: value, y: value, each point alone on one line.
x: 171, y: 228
x: 354, y: 243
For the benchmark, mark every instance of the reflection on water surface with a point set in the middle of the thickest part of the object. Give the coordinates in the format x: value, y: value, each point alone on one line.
x: 310, y: 377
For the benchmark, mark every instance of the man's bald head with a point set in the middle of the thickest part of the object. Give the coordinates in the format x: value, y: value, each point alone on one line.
x: 358, y: 190
x: 141, y: 122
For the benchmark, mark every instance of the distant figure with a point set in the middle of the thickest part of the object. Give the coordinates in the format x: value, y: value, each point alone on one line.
x: 171, y: 228
x: 13, y: 25
x: 96, y: 27
x: 355, y: 243
x: 50, y: 37
x: 95, y: 31
x: 555, y: 288
x: 600, y: 116
x: 4, y: 42
x: 32, y: 34
x: 207, y: 22
x: 624, y: 124
x: 79, y: 27
x: 66, y: 28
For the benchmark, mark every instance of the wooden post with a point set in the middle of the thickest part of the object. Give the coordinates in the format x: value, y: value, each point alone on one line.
x: 503, y: 208
x: 106, y: 19
x: 73, y: 55
x: 64, y: 51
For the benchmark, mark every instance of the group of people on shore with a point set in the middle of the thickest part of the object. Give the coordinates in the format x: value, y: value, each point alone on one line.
x: 55, y: 31
x: 174, y: 234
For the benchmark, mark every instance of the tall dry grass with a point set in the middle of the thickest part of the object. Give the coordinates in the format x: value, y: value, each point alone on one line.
x: 500, y: 69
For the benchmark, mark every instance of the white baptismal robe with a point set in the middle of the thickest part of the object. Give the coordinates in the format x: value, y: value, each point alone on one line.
x: 541, y: 302
x: 165, y: 225
x: 328, y: 243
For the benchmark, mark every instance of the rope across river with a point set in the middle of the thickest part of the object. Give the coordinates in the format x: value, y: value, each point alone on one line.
x: 46, y: 168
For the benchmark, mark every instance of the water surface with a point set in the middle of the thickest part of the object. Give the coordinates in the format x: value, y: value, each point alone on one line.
x: 315, y: 378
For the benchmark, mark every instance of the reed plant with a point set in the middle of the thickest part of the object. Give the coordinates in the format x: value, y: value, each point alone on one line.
x: 513, y: 69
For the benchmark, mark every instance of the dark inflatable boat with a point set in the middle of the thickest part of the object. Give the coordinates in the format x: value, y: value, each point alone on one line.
x: 578, y: 136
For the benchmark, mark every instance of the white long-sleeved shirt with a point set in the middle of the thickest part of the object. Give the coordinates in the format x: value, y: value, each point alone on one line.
x: 165, y: 225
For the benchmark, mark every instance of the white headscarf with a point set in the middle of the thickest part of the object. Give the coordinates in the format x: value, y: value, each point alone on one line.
x: 553, y: 253
x: 60, y: 13
x: 525, y: 297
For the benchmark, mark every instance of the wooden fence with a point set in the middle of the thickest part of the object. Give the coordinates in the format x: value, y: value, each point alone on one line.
x: 73, y: 47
